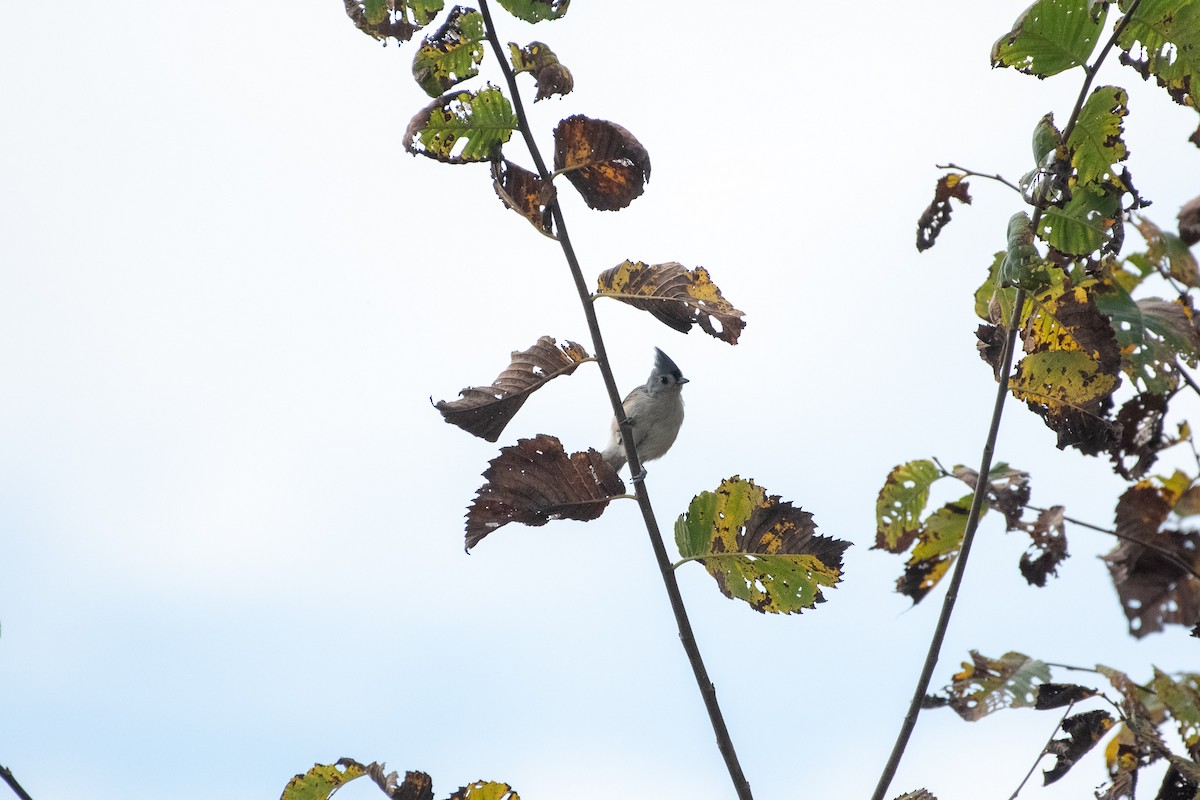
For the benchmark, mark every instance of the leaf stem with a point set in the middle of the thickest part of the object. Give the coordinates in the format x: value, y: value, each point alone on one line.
x: 971, y: 172
x: 7, y: 775
x: 686, y: 636
x: 1041, y: 755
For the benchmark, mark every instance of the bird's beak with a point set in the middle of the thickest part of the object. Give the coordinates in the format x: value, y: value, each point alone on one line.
x: 682, y: 381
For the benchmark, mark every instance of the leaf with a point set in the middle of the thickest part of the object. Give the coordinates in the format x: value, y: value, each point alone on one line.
x: 937, y: 545
x: 1083, y: 731
x: 1169, y: 253
x: 524, y: 192
x: 1084, y: 224
x: 759, y: 549
x: 919, y: 794
x: 675, y: 296
x: 539, y: 60
x: 485, y: 410
x: 374, y: 18
x: 452, y: 54
x: 937, y: 215
x: 1162, y: 38
x: 1047, y: 140
x: 535, y: 481
x: 602, y: 160
x: 1182, y: 700
x: 536, y: 10
x: 987, y: 684
x: 1189, y: 222
x: 901, y: 503
x: 486, y: 790
x: 322, y: 780
x: 1140, y: 421
x: 479, y: 121
x: 1048, y: 548
x: 1022, y: 264
x: 994, y: 302
x: 1057, y: 695
x: 1153, y: 583
x: 1049, y: 37
x: 1152, y: 333
x: 1095, y: 143
x: 1060, y: 380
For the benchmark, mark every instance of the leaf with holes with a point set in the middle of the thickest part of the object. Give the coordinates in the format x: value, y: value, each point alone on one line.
x: 1162, y: 38
x: 676, y: 296
x: 478, y: 121
x: 1048, y: 547
x: 485, y: 410
x: 602, y: 160
x: 1049, y: 37
x: 758, y: 548
x: 536, y: 10
x: 1153, y: 569
x: 1152, y: 334
x: 383, y: 19
x: 1096, y: 143
x: 990, y: 684
x: 1086, y: 223
x: 485, y: 790
x: 937, y: 215
x: 901, y: 502
x: 1083, y: 732
x: 937, y: 545
x: 452, y: 54
x: 525, y: 193
x: 322, y: 780
x: 1169, y: 253
x: 535, y: 481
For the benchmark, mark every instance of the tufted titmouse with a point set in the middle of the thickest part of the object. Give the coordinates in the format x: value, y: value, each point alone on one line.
x: 655, y: 413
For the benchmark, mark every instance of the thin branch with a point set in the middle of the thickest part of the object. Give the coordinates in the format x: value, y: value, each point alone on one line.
x: 1041, y: 755
x: 1162, y: 551
x: 971, y: 172
x: 686, y: 636
x: 943, y: 623
x: 6, y: 773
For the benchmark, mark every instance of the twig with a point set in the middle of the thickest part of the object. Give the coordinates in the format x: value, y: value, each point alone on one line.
x: 1038, y: 760
x: 6, y: 773
x: 971, y: 172
x: 686, y: 636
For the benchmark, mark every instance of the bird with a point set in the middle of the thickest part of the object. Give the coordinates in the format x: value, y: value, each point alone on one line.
x: 655, y: 413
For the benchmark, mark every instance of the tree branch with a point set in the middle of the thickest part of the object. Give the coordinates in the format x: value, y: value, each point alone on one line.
x: 6, y: 773
x: 686, y: 636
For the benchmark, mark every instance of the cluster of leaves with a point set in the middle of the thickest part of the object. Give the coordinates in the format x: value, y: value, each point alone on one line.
x: 1145, y: 712
x: 320, y: 782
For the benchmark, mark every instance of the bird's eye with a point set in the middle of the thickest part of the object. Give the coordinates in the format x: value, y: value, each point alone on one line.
x: 663, y: 380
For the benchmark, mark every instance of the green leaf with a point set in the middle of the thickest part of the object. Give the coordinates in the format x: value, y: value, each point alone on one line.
x: 482, y: 121
x: 452, y: 55
x: 1168, y: 32
x: 1049, y: 37
x: 1022, y: 264
x: 1084, y: 224
x: 991, y: 290
x: 938, y: 543
x: 1061, y: 380
x: 901, y: 502
x: 377, y: 11
x: 322, y: 780
x: 485, y: 790
x: 1046, y: 139
x: 423, y: 11
x: 989, y: 684
x: 1096, y: 143
x: 1152, y: 333
x: 536, y: 10
x: 759, y: 549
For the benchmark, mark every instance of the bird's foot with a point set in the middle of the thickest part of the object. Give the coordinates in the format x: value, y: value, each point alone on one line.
x: 641, y: 476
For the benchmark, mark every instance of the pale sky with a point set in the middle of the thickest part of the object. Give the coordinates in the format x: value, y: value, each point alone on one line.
x: 231, y: 524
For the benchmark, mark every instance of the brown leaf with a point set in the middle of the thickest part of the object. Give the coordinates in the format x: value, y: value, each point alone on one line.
x: 602, y: 160
x: 535, y: 481
x: 485, y: 410
x: 1189, y: 222
x: 937, y: 215
x: 1057, y: 695
x: 525, y: 193
x: 1083, y: 731
x: 1140, y: 422
x: 991, y: 345
x: 1048, y: 548
x: 415, y: 786
x: 1148, y: 567
x: 1087, y: 428
x: 539, y: 60
x: 677, y: 297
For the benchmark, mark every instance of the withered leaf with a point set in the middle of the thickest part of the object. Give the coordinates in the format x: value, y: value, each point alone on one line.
x: 1150, y: 567
x: 602, y: 160
x: 381, y: 26
x: 676, y: 296
x: 539, y: 60
x: 1169, y: 253
x: 485, y: 410
x: 485, y: 790
x: 415, y: 786
x: 1083, y: 731
x: 937, y: 215
x: 1140, y: 422
x: 937, y: 545
x: 452, y: 54
x: 1189, y: 222
x: 1008, y: 490
x: 525, y: 193
x: 1057, y: 695
x: 919, y: 794
x: 989, y: 684
x: 535, y: 481
x: 1048, y: 548
x: 759, y: 548
x: 1177, y: 786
